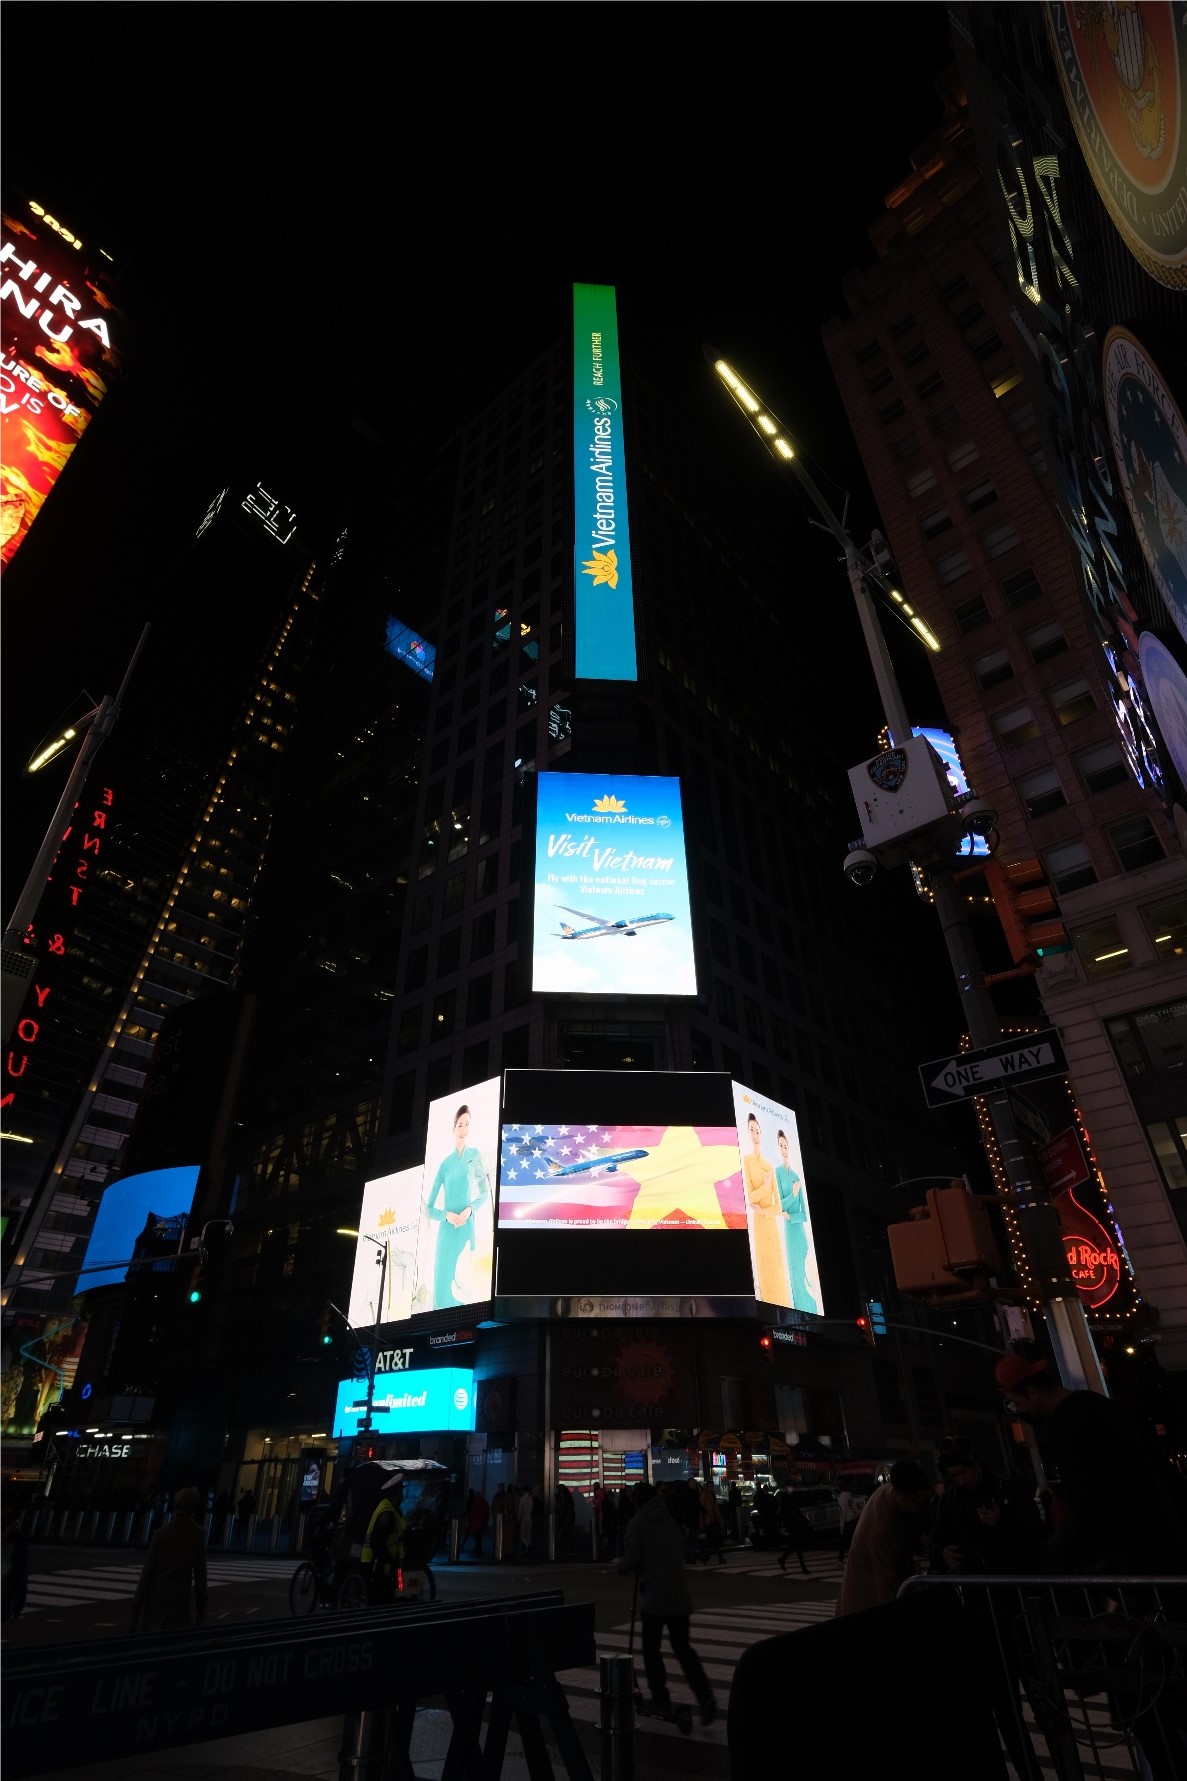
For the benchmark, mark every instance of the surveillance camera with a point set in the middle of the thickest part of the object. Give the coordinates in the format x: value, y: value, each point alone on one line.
x: 860, y: 867
x: 978, y: 816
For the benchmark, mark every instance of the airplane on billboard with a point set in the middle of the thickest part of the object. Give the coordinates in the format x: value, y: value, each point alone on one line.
x: 629, y: 928
x: 609, y: 1162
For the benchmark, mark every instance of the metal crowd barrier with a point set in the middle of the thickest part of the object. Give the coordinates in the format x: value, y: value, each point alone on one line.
x: 494, y: 1661
x: 1087, y: 1675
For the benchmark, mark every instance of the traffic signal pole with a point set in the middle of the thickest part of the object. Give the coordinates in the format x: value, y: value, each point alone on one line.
x: 1037, y: 1222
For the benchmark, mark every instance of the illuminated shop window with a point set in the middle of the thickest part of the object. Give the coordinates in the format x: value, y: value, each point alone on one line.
x: 1101, y: 950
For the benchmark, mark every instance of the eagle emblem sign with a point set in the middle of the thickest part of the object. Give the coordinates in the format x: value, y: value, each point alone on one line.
x: 888, y: 770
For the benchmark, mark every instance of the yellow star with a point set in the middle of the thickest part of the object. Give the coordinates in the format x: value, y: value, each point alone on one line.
x: 680, y: 1175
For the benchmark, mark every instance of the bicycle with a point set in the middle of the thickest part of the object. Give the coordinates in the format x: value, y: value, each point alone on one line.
x: 315, y: 1580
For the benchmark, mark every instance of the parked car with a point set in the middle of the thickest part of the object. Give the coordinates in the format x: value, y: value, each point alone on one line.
x: 822, y: 1511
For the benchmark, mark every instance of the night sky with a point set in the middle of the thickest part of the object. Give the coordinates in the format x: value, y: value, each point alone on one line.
x: 344, y: 227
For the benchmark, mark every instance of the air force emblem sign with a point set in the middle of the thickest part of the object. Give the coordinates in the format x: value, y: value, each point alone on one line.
x: 888, y: 770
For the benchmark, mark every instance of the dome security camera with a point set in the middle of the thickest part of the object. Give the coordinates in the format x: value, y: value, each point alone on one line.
x: 860, y: 867
x: 978, y: 816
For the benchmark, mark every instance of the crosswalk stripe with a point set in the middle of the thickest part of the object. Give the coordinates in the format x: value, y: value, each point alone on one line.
x: 114, y: 1583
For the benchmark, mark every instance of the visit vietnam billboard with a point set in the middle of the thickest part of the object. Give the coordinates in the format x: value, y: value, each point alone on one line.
x: 610, y: 905
x: 603, y: 596
x: 61, y: 344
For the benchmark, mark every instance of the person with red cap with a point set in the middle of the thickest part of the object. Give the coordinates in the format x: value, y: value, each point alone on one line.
x: 1126, y: 1503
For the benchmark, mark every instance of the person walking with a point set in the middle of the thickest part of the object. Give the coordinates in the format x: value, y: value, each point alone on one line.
x: 795, y: 1527
x: 477, y: 1518
x: 523, y: 1511
x: 690, y: 1519
x: 849, y: 1506
x: 173, y: 1571
x: 889, y: 1539
x: 654, y: 1550
x: 712, y: 1525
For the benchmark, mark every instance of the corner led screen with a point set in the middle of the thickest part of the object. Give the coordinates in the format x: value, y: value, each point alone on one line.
x: 782, y: 1248
x: 620, y: 1182
x: 408, y: 1403
x: 603, y: 600
x: 433, y: 1223
x: 62, y: 339
x: 610, y: 908
x: 127, y: 1212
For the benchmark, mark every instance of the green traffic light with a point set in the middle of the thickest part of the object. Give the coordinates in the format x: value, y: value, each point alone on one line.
x: 195, y: 1295
x: 326, y: 1340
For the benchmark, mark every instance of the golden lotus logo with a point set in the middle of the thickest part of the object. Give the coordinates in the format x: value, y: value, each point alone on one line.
x: 609, y: 802
x: 387, y: 1216
x: 603, y: 566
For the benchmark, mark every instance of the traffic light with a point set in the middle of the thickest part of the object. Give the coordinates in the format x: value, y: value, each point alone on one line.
x: 766, y: 1345
x: 1027, y: 910
x: 194, y: 1296
x: 326, y: 1329
x: 877, y: 1316
x: 866, y: 1329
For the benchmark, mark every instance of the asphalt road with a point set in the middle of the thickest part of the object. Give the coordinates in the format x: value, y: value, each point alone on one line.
x: 85, y: 1593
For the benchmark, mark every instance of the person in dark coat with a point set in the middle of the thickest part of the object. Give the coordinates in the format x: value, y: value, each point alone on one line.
x: 890, y: 1538
x: 654, y: 1550
x: 1126, y: 1504
x: 796, y: 1529
x: 173, y: 1571
x: 983, y: 1525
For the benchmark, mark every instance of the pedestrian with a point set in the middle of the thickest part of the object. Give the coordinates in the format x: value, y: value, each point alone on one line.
x: 1126, y: 1505
x: 654, y: 1550
x: 510, y: 1524
x: 173, y: 1570
x: 523, y: 1511
x: 477, y: 1518
x: 712, y: 1525
x: 736, y: 1506
x: 566, y: 1520
x: 849, y: 1507
x: 383, y: 1545
x: 795, y: 1527
x: 766, y: 1514
x: 690, y: 1519
x: 626, y: 1508
x: 15, y: 1585
x: 889, y: 1539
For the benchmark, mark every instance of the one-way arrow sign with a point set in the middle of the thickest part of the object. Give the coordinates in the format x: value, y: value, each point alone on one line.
x: 994, y: 1067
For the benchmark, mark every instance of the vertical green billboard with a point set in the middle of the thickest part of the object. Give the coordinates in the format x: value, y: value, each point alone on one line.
x: 604, y: 607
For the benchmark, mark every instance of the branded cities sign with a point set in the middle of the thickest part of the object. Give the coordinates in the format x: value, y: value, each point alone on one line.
x: 611, y: 909
x: 992, y: 1068
x: 604, y: 607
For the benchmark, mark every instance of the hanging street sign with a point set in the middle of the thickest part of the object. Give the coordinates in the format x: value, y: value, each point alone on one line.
x: 992, y: 1068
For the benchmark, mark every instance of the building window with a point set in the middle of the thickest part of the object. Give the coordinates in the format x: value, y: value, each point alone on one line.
x: 1007, y: 379
x: 869, y: 351
x: 970, y: 315
x: 928, y: 386
x: 992, y: 668
x: 1021, y: 588
x: 954, y: 288
x: 1069, y: 867
x: 961, y: 456
x: 1166, y: 924
x: 1072, y: 700
x: 1044, y: 641
x: 953, y: 565
x: 1169, y: 1144
x: 903, y: 326
x: 443, y: 1006
x: 988, y: 348
x: 970, y: 615
x: 1101, y: 950
x: 906, y: 447
x: 1134, y: 843
x: 982, y: 494
x: 879, y: 380
x: 1102, y: 767
x: 916, y: 353
x: 999, y: 539
x: 1015, y: 726
x: 1022, y: 418
x: 1153, y: 1043
x: 933, y: 524
x: 1041, y: 792
x: 893, y: 411
x: 943, y: 418
x: 921, y: 481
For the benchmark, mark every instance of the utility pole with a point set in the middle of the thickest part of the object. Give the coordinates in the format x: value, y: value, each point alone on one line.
x: 1037, y: 1222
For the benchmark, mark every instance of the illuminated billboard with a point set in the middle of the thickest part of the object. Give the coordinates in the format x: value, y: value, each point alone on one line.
x: 620, y: 1182
x: 435, y: 1222
x: 62, y: 340
x: 782, y: 1248
x: 945, y: 746
x: 603, y: 599
x: 610, y: 909
x: 130, y: 1211
x: 408, y: 1403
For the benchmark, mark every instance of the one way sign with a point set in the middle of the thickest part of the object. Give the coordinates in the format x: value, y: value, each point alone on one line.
x: 994, y: 1067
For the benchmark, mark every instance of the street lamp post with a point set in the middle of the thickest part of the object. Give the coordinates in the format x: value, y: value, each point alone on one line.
x: 1038, y: 1226
x: 381, y: 1261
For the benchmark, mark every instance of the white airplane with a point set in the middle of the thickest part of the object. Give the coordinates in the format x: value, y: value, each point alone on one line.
x: 629, y: 928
